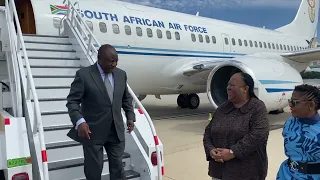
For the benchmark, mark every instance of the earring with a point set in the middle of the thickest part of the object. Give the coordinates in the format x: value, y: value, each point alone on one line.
x: 309, y: 109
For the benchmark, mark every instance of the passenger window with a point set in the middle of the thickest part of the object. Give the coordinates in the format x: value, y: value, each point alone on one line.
x: 269, y: 45
x: 159, y: 33
x: 233, y: 41
x: 139, y: 31
x: 260, y: 44
x: 103, y: 27
x: 193, y: 37
x: 277, y: 46
x: 273, y: 47
x: 280, y: 46
x: 177, y: 35
x: 251, y: 45
x: 115, y: 28
x: 285, y: 47
x: 288, y: 47
x: 265, y: 45
x: 214, y: 40
x: 168, y: 34
x: 291, y: 48
x: 127, y: 29
x: 226, y: 41
x: 149, y: 32
x: 255, y: 43
x: 240, y: 42
x: 245, y: 43
x: 200, y: 38
x: 90, y: 25
x: 207, y: 39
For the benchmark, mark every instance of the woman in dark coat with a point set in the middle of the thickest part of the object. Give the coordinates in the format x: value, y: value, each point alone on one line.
x: 236, y: 138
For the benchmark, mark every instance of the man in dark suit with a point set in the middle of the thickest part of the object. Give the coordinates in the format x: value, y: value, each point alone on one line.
x: 101, y: 89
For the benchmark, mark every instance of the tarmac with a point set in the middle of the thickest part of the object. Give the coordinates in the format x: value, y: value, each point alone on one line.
x: 181, y: 132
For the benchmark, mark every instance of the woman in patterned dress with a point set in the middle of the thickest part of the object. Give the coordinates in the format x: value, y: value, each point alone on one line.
x: 236, y: 138
x: 301, y: 134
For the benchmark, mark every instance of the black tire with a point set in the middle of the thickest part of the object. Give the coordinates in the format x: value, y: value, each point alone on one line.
x: 193, y: 101
x: 183, y: 100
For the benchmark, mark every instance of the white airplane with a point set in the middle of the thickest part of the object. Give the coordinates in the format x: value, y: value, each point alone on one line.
x: 166, y: 52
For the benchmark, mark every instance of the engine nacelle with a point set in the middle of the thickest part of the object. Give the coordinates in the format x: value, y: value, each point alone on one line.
x: 274, y: 80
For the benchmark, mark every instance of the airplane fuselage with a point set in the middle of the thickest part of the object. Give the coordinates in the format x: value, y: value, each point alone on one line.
x: 153, y: 43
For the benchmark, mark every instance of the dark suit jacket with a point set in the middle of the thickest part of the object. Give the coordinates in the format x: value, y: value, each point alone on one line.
x: 88, y: 99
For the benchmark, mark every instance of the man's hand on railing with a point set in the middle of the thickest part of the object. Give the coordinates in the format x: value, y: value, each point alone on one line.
x: 84, y: 131
x: 130, y: 126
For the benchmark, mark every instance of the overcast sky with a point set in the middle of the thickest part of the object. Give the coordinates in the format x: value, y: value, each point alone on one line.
x: 272, y: 13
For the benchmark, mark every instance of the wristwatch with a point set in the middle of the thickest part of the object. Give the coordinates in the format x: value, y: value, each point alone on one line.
x: 230, y: 151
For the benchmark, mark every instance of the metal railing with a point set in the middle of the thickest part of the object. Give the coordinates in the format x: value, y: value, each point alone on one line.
x: 28, y: 84
x: 89, y: 41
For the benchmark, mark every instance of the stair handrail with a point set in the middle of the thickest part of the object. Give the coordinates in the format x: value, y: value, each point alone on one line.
x: 75, y: 16
x: 29, y: 84
x: 14, y: 79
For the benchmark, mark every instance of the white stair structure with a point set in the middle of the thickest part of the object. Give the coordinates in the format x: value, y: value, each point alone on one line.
x: 53, y: 65
x: 46, y: 66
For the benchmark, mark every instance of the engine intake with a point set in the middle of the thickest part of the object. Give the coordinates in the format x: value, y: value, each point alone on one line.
x: 274, y: 80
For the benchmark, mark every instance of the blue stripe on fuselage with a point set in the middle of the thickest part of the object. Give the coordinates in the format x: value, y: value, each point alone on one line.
x: 275, y: 90
x: 172, y: 52
x: 171, y: 55
x: 276, y: 82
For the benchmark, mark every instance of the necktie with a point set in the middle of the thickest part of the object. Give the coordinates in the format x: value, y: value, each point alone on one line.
x: 109, y: 87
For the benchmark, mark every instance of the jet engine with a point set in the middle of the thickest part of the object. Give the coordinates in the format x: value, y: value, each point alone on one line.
x: 274, y: 80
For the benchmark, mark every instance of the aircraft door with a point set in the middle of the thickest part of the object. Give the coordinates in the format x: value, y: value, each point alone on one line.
x: 26, y: 16
x: 226, y: 43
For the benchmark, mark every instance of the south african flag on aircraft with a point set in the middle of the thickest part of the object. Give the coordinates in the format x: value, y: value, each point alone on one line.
x: 56, y: 9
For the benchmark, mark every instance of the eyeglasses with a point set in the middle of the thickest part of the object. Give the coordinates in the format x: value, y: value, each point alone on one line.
x: 293, y: 103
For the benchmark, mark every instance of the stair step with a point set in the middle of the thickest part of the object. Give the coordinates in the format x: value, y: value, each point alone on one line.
x: 54, y: 113
x: 57, y: 128
x: 51, y: 54
x: 56, y: 120
x: 52, y: 58
x: 54, y: 39
x: 54, y: 62
x: 50, y: 50
x: 129, y: 174
x: 74, y: 174
x: 52, y: 106
x: 55, y: 66
x: 43, y: 35
x: 47, y: 43
x: 46, y: 46
x: 53, y: 76
x: 51, y: 83
x: 62, y: 153
x: 53, y: 93
x: 76, y: 162
x: 44, y: 71
x: 56, y: 136
x: 73, y: 168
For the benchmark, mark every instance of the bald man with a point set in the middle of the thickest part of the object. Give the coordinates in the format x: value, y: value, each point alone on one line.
x: 96, y: 97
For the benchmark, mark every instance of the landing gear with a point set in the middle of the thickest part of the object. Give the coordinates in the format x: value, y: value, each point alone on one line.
x: 191, y: 101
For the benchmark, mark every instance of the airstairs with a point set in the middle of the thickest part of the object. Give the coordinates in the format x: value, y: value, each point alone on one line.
x: 42, y: 68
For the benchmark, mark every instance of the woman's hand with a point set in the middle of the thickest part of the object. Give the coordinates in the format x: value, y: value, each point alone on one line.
x: 216, y: 155
x: 226, y: 154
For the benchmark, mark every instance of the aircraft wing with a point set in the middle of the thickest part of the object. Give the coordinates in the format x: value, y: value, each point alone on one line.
x: 303, y: 56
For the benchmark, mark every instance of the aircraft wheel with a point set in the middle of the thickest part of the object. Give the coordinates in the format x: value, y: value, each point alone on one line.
x: 193, y: 101
x: 183, y: 100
